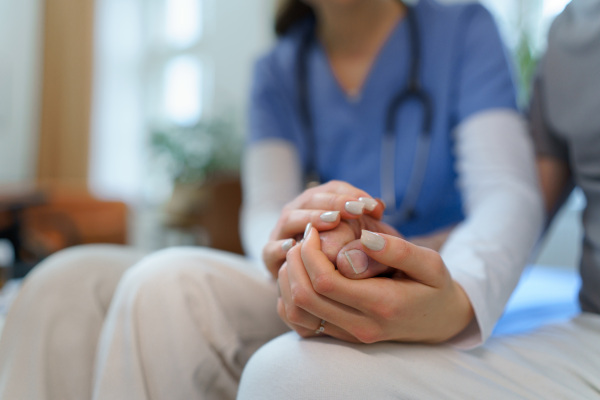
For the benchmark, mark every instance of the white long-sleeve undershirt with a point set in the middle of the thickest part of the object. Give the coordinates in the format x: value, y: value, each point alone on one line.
x: 504, y: 211
x: 271, y: 178
x: 485, y: 254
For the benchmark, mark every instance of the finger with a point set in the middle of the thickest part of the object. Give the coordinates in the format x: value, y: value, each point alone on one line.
x: 340, y: 196
x: 326, y: 328
x: 304, y: 294
x: 377, y: 211
x: 298, y: 319
x: 295, y: 221
x: 350, y: 205
x: 372, y: 224
x: 295, y: 317
x: 332, y: 196
x: 419, y: 263
x: 281, y: 310
x: 360, y: 296
x: 354, y: 263
x: 373, y: 206
x: 274, y: 254
x: 323, y: 280
x: 334, y: 240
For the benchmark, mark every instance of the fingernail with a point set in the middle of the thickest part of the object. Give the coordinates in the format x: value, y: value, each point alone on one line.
x: 369, y: 203
x: 288, y: 244
x: 354, y: 207
x: 329, y: 216
x: 372, y: 240
x: 307, y: 230
x: 358, y: 260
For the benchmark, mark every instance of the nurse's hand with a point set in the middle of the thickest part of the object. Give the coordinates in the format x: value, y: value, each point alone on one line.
x: 417, y: 302
x: 324, y: 206
x: 355, y: 264
x: 348, y: 265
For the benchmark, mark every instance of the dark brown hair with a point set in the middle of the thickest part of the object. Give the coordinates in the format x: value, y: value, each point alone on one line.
x: 289, y: 13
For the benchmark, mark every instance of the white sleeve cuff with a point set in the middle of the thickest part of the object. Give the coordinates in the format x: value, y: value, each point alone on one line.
x: 271, y: 177
x: 487, y: 252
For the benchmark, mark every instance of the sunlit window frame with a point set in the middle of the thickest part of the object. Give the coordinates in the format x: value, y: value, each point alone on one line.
x: 159, y: 53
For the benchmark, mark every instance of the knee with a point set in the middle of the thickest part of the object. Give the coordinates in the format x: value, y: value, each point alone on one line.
x: 165, y: 267
x: 284, y: 368
x: 171, y: 272
x: 74, y: 280
x: 71, y: 268
x: 289, y: 367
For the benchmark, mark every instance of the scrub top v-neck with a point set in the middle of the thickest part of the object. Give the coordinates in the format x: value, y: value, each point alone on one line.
x: 463, y: 68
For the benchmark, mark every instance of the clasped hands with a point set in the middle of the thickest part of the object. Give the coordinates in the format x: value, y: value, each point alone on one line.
x: 336, y: 261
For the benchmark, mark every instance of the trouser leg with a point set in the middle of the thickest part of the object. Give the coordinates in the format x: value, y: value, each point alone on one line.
x: 559, y: 361
x: 48, y: 342
x: 182, y: 325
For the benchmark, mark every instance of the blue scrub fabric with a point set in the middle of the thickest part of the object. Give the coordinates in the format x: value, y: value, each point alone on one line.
x: 464, y: 69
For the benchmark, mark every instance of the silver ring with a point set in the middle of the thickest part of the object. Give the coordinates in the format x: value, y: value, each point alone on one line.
x: 321, y: 328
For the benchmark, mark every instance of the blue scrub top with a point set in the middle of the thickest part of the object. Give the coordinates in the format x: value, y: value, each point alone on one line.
x: 464, y: 69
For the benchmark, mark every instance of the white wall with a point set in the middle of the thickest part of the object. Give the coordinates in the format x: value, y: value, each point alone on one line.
x: 20, y: 77
x: 561, y: 245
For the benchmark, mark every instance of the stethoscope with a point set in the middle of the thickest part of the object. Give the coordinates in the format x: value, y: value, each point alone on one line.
x: 412, y: 91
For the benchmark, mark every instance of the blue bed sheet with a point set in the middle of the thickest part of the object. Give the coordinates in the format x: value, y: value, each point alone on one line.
x: 545, y: 294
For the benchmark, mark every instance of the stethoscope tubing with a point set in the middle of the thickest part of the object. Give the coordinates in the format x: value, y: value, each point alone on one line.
x: 412, y: 92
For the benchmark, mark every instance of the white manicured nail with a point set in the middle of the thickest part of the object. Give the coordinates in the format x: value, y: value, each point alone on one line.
x: 288, y: 244
x: 354, y: 207
x: 370, y: 203
x: 330, y: 216
x: 372, y: 240
x: 307, y: 230
x: 358, y: 260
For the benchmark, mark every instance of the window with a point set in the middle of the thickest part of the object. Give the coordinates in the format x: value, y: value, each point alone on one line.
x: 525, y: 17
x: 176, y: 61
x: 524, y: 26
x: 150, y: 69
x: 166, y: 62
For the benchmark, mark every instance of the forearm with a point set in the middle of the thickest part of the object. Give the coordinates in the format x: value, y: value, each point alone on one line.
x: 488, y: 251
x: 271, y: 177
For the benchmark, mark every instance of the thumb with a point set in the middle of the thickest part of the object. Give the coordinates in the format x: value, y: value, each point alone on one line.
x: 419, y: 263
x: 353, y: 263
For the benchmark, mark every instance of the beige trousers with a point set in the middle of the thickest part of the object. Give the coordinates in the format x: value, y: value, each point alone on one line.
x: 181, y: 325
x: 105, y: 322
x: 557, y: 361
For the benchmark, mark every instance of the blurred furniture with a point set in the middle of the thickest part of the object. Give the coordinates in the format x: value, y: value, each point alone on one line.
x: 210, y: 211
x: 13, y: 204
x: 39, y: 221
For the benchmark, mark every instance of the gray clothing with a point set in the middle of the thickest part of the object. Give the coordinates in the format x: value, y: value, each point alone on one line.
x: 565, y: 117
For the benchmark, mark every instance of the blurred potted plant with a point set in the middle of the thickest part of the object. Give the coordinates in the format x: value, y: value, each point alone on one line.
x: 198, y: 158
x: 524, y: 54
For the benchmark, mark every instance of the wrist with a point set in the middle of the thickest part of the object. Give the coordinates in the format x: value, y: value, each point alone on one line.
x: 462, y: 313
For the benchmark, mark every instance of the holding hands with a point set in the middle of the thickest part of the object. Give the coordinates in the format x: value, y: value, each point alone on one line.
x: 325, y: 207
x: 410, y: 295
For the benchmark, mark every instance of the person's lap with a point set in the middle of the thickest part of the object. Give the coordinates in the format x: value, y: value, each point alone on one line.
x: 48, y: 342
x: 555, y: 361
x: 75, y: 288
x: 559, y: 359
x: 182, y: 324
x: 541, y: 348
